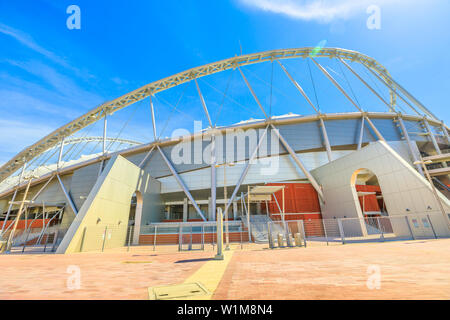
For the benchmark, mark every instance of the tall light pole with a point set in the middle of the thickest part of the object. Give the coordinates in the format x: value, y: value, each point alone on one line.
x: 424, y: 163
x: 227, y: 236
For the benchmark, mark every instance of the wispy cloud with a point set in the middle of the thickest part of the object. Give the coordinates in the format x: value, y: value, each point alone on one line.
x: 318, y: 10
x: 28, y: 41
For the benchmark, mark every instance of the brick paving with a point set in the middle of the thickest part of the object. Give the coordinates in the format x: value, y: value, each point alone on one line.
x: 409, y: 270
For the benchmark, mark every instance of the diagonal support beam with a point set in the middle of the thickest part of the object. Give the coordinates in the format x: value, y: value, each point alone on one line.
x: 253, y: 93
x: 153, y: 119
x: 181, y: 183
x: 412, y: 98
x: 326, y: 140
x: 392, y: 89
x: 444, y: 130
x: 147, y: 156
x: 337, y: 85
x: 203, y: 104
x: 245, y: 171
x: 67, y: 195
x: 299, y: 163
x: 377, y: 133
x: 361, y: 134
x: 299, y: 88
x: 432, y: 137
x: 391, y: 108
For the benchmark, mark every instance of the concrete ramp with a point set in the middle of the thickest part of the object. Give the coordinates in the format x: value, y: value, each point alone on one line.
x: 108, y: 206
x: 406, y: 192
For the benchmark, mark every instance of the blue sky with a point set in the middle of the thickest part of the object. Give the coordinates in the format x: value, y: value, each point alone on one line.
x: 50, y: 74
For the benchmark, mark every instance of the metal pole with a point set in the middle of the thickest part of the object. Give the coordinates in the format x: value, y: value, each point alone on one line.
x: 154, y: 238
x: 361, y: 134
x: 325, y: 72
x: 219, y: 255
x: 377, y: 133
x: 245, y: 171
x: 180, y: 236
x: 153, y: 118
x: 61, y: 153
x: 381, y: 229
x: 104, y: 133
x: 409, y: 227
x: 341, y: 230
x: 299, y: 88
x: 227, y: 238
x: 68, y: 197
x: 253, y: 93
x: 326, y: 141
x: 213, y: 177
x: 303, y: 232
x: 366, y: 84
x: 325, y: 230
x: 130, y: 231
x: 203, y: 103
x: 104, y: 238
x: 431, y: 225
x: 248, y: 215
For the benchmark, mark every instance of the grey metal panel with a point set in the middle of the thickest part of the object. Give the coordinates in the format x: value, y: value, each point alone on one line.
x: 387, y: 128
x: 82, y: 182
x: 302, y: 136
x: 343, y: 132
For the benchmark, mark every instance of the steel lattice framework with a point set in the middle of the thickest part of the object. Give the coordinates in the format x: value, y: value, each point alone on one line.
x: 108, y: 108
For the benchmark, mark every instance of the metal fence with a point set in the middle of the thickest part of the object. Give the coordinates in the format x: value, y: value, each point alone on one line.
x: 197, y: 235
x: 45, y: 238
x: 192, y: 235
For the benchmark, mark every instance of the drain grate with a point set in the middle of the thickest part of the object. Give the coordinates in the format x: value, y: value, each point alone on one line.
x: 178, y: 291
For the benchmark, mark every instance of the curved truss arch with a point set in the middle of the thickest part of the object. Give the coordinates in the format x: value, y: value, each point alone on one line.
x: 152, y: 88
x: 97, y: 139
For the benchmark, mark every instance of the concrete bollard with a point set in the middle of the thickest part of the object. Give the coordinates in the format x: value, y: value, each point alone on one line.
x: 280, y: 240
x: 298, y: 239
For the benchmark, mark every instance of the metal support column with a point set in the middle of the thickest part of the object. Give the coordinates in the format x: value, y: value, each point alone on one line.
x: 253, y: 93
x: 67, y: 195
x: 181, y: 183
x: 245, y: 171
x: 325, y: 139
x: 153, y: 118
x: 361, y: 134
x: 299, y: 163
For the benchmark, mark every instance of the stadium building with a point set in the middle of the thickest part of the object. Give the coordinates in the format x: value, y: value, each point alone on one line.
x: 346, y: 170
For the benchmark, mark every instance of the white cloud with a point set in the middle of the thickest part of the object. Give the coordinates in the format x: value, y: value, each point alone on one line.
x: 318, y: 10
x: 15, y: 135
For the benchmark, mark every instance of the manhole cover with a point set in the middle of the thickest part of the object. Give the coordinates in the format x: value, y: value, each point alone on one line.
x: 178, y: 291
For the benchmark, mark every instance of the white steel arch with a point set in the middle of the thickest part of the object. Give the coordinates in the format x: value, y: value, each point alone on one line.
x: 107, y: 108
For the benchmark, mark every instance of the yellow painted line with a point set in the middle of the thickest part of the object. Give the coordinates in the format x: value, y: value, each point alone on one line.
x: 210, y: 274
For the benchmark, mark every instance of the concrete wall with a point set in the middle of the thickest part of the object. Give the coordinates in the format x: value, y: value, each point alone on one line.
x: 405, y: 191
x: 108, y: 205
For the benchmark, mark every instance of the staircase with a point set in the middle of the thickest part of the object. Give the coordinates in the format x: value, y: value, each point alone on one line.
x: 258, y: 228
